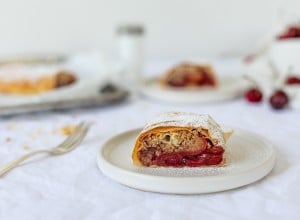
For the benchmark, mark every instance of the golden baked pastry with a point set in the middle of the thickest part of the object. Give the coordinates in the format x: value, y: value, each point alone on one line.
x: 189, y: 75
x: 14, y: 81
x: 180, y: 139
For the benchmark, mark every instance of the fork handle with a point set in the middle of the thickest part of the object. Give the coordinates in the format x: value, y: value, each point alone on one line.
x: 11, y: 165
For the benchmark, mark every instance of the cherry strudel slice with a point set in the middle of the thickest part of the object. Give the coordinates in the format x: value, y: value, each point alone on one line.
x: 189, y: 75
x: 177, y: 139
x: 33, y: 80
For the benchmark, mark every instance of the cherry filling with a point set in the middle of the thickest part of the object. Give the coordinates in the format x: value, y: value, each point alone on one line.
x: 193, y: 79
x: 210, y: 156
x: 201, y: 79
x: 178, y: 81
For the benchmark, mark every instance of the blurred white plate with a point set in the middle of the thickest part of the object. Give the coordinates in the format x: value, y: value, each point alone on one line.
x: 250, y: 158
x: 229, y: 87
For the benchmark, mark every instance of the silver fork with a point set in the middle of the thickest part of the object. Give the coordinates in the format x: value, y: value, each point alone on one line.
x: 69, y: 144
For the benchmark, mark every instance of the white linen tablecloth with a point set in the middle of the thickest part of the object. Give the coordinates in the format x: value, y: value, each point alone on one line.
x: 71, y: 186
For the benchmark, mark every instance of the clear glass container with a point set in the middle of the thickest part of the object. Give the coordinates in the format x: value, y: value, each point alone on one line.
x: 130, y: 39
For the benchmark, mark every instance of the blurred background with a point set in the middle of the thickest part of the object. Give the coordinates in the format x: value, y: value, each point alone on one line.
x: 174, y: 28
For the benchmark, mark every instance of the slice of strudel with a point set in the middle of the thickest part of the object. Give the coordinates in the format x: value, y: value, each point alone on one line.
x: 29, y: 80
x: 177, y: 139
x: 188, y: 75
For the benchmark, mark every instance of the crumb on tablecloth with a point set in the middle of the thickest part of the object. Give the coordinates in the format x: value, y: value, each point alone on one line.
x: 7, y: 139
x: 36, y: 133
x: 68, y: 129
x: 25, y: 147
x: 9, y: 126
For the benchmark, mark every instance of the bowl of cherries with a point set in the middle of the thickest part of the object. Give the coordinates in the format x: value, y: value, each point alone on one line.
x: 284, y: 51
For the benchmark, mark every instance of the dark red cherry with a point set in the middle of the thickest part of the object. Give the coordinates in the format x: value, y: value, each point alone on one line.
x: 292, y: 80
x: 291, y: 32
x: 254, y: 95
x: 279, y: 99
x: 216, y: 150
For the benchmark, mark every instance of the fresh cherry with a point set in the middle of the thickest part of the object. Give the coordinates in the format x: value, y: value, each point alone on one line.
x: 291, y: 32
x: 254, y: 95
x: 292, y: 80
x: 216, y: 150
x: 279, y: 99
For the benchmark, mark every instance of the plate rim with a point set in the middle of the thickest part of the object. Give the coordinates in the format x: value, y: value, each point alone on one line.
x: 145, y: 90
x: 104, y: 164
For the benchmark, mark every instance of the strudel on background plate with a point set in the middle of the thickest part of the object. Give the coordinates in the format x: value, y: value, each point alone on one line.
x: 180, y: 139
x: 26, y: 80
x: 188, y: 75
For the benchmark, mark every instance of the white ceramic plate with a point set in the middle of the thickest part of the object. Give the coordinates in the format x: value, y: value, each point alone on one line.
x: 250, y: 158
x: 229, y: 88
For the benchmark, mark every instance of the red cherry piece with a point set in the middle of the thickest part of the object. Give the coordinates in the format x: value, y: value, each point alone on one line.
x: 254, y: 95
x: 199, y: 161
x: 216, y: 150
x: 200, y: 79
x: 214, y: 159
x: 291, y: 32
x: 294, y: 32
x: 170, y: 160
x: 292, y: 80
x: 178, y: 82
x: 282, y: 37
x: 279, y: 100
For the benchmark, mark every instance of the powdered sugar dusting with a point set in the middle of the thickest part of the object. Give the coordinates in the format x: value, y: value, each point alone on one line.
x: 27, y: 72
x: 184, y: 172
x: 182, y: 119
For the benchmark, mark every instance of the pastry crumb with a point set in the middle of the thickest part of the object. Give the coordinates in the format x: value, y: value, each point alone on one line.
x: 36, y: 133
x: 25, y: 147
x: 68, y: 129
x: 7, y: 139
x: 9, y: 127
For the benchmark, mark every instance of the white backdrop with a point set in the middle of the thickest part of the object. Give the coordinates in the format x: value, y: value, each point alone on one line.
x: 175, y: 28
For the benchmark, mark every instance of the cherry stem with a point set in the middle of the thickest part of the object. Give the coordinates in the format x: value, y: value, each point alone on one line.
x: 274, y: 71
x: 250, y: 79
x: 290, y: 70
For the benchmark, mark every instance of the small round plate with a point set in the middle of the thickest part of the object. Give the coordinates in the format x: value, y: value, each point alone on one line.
x: 229, y: 87
x: 249, y: 158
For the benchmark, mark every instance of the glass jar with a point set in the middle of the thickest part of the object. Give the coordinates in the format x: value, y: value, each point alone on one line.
x: 130, y: 39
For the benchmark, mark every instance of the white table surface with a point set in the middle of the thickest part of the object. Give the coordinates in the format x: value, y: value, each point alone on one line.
x: 71, y: 186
